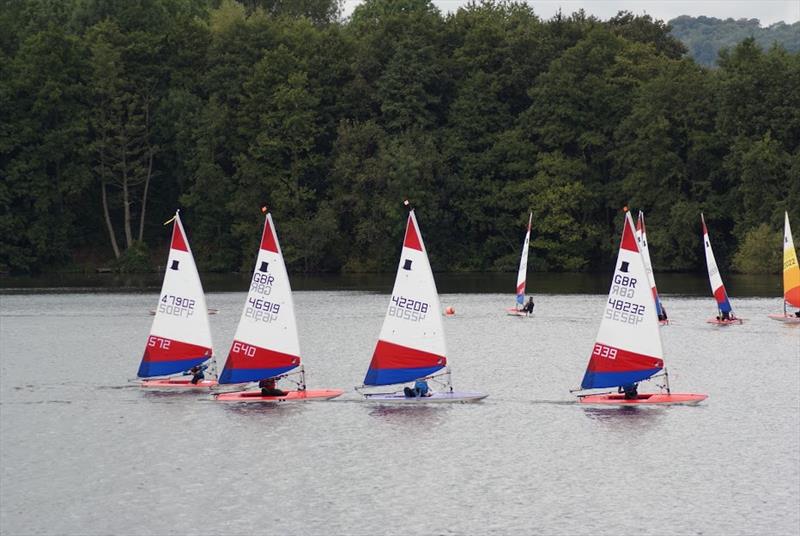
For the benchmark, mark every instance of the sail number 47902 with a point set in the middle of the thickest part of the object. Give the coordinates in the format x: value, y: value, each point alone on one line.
x: 176, y: 305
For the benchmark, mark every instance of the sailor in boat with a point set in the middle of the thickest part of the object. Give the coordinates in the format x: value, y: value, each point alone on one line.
x: 724, y: 316
x: 528, y: 307
x: 196, y: 373
x: 420, y: 389
x: 662, y: 316
x: 268, y: 388
x: 630, y: 390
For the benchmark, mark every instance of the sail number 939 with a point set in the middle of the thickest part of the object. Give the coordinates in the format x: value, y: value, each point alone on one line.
x: 408, y: 309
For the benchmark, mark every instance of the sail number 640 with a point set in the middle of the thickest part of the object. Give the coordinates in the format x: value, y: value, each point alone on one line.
x: 602, y: 350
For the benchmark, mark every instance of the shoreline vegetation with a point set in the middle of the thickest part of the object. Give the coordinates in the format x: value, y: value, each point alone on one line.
x: 116, y: 112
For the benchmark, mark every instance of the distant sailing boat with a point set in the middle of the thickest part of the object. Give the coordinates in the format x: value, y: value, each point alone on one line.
x: 266, y: 344
x: 628, y: 345
x: 791, y: 277
x: 641, y: 239
x: 411, y: 344
x: 180, y: 336
x: 522, y: 274
x: 725, y: 316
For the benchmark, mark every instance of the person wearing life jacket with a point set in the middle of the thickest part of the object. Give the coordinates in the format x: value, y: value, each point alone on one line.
x: 631, y: 391
x: 268, y: 388
x: 197, y: 373
x: 528, y: 307
x: 420, y: 389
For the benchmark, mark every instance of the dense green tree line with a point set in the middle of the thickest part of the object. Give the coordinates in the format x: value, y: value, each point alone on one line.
x: 705, y: 37
x: 115, y: 112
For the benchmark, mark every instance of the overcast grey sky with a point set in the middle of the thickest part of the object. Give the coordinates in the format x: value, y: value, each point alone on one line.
x: 767, y: 11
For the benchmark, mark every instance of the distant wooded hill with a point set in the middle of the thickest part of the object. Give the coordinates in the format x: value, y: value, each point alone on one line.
x: 706, y: 36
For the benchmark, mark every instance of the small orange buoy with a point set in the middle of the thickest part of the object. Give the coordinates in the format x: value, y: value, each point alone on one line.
x: 449, y: 311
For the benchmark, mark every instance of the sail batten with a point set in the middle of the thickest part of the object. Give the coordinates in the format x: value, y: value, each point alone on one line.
x: 628, y: 345
x: 411, y: 343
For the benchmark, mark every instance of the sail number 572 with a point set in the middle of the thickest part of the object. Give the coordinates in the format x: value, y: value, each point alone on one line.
x: 601, y: 350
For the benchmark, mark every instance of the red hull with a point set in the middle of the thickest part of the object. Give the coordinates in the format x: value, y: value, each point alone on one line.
x: 178, y: 383
x: 291, y: 396
x: 718, y: 322
x: 788, y: 319
x: 644, y: 399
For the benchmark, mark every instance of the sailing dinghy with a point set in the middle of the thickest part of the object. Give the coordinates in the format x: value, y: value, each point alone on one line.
x: 641, y: 239
x: 180, y: 336
x: 522, y: 275
x: 791, y: 277
x: 628, y: 346
x: 266, y: 344
x: 725, y: 316
x: 411, y: 343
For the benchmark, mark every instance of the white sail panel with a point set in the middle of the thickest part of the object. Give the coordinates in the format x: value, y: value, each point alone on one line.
x: 522, y: 273
x: 413, y: 318
x: 268, y: 318
x: 182, y: 314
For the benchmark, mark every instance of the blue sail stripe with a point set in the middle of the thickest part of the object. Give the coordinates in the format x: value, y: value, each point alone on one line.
x: 393, y: 376
x: 595, y: 380
x: 148, y: 369
x: 243, y: 375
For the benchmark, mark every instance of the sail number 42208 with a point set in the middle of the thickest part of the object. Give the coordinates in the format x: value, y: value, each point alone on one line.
x: 408, y: 309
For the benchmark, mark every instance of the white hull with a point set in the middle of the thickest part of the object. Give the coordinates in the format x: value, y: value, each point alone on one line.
x: 435, y: 398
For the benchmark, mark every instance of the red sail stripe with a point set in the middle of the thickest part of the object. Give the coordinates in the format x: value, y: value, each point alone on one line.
x: 623, y: 361
x: 628, y: 238
x: 388, y: 355
x: 249, y: 356
x: 268, y: 241
x: 178, y: 241
x: 163, y: 349
x: 412, y: 239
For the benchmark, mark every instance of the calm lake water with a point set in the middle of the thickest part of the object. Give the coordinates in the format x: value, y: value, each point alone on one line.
x: 84, y: 451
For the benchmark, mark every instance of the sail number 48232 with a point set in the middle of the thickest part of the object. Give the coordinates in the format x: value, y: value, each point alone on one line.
x: 602, y: 350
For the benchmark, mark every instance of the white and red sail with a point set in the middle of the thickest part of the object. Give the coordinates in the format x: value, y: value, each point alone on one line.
x: 641, y: 239
x: 180, y: 336
x: 266, y: 343
x: 628, y: 344
x: 522, y: 273
x: 411, y: 343
x: 714, y: 277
